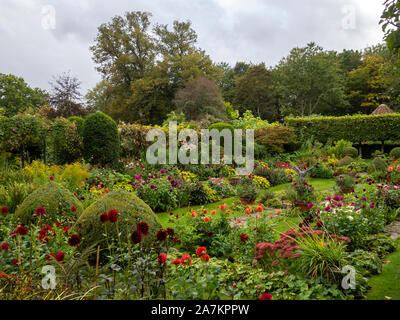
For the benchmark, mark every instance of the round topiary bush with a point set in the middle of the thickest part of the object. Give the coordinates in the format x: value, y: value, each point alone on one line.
x: 58, y: 202
x: 221, y: 126
x: 100, y: 139
x: 351, y: 152
x: 345, y: 161
x: 379, y: 164
x: 395, y: 153
x: 131, y: 210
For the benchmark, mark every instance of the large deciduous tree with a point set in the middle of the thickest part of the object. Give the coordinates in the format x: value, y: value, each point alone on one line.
x: 310, y: 80
x: 254, y: 92
x: 200, y: 98
x: 16, y: 96
x: 143, y: 67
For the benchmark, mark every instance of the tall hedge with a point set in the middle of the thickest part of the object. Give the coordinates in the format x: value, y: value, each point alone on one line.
x: 100, y: 139
x: 355, y: 128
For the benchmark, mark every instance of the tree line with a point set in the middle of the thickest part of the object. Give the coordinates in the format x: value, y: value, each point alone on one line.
x: 152, y: 72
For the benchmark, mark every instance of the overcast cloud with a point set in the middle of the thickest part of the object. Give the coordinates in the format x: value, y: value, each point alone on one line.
x: 229, y: 30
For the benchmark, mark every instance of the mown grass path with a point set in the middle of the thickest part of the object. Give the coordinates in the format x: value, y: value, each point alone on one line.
x: 386, y: 286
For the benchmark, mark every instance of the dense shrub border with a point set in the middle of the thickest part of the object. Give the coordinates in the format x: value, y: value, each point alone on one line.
x: 355, y: 128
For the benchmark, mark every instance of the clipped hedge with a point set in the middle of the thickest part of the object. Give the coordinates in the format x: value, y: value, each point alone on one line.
x: 355, y: 128
x: 101, y: 139
x: 55, y: 199
x: 131, y: 210
x: 395, y: 153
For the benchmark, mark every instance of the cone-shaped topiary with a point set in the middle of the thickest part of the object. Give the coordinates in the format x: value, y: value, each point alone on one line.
x: 395, y: 153
x: 100, y: 139
x: 131, y: 210
x: 351, y: 152
x: 345, y: 161
x: 58, y: 203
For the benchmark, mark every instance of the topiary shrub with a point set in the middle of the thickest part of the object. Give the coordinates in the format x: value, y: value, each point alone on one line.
x: 351, y: 152
x: 345, y: 161
x: 221, y: 126
x: 55, y: 199
x: 100, y: 139
x: 395, y: 153
x: 131, y: 210
x: 379, y: 164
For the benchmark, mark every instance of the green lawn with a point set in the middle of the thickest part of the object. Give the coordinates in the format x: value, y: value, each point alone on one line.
x: 318, y: 184
x: 387, y: 284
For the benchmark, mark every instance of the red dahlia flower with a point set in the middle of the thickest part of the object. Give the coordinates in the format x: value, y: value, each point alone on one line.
x: 143, y: 227
x: 265, y: 296
x: 244, y: 237
x: 136, y: 237
x: 113, y: 216
x: 40, y: 211
x: 177, y: 261
x: 4, y: 246
x: 21, y: 230
x: 162, y: 235
x: 104, y: 218
x: 205, y: 258
x: 74, y: 240
x: 73, y: 209
x: 162, y: 258
x: 200, y: 251
x: 186, y: 259
x: 60, y: 256
x: 4, y: 210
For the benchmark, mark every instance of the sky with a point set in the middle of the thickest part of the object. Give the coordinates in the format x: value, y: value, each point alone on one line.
x: 43, y: 38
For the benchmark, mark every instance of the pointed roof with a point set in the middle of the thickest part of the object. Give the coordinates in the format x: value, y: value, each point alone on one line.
x: 382, y: 109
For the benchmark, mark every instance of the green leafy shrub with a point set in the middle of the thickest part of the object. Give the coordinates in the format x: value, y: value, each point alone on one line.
x: 368, y: 263
x: 377, y: 165
x: 338, y: 149
x: 381, y: 244
x: 55, y: 199
x: 20, y: 134
x: 320, y: 171
x: 351, y: 152
x: 275, y: 176
x: 199, y: 194
x: 345, y: 161
x: 133, y: 139
x: 100, y: 139
x: 79, y: 122
x: 131, y: 210
x: 345, y: 182
x: 395, y: 153
x: 65, y: 143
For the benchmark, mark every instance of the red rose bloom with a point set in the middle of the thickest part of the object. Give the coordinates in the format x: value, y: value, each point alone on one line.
x: 104, y: 218
x: 136, y: 237
x: 265, y: 296
x: 162, y: 235
x: 244, y: 237
x: 73, y: 209
x: 60, y: 256
x: 205, y: 258
x: 4, y: 246
x: 162, y: 258
x: 4, y: 210
x: 40, y: 211
x: 186, y: 259
x: 200, y: 251
x: 143, y: 227
x: 74, y: 240
x: 113, y: 216
x: 21, y: 230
